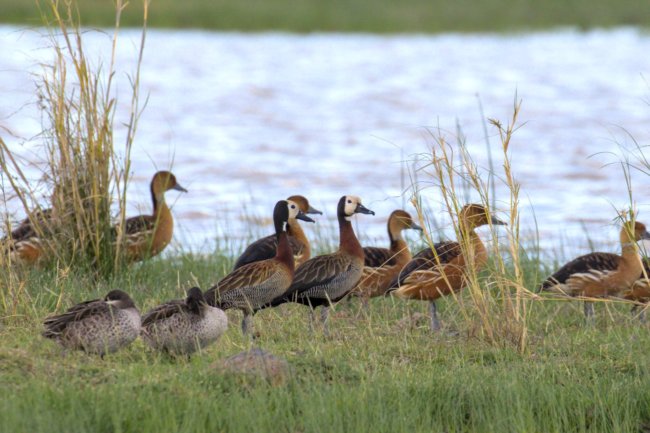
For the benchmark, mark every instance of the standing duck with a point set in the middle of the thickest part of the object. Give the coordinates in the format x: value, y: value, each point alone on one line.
x: 254, y: 285
x: 183, y: 326
x: 602, y: 274
x: 25, y: 243
x: 147, y: 235
x: 326, y: 279
x: 265, y: 248
x: 382, y: 265
x: 442, y: 270
x: 99, y: 326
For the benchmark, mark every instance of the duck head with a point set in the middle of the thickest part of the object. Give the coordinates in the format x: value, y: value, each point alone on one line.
x: 476, y: 215
x: 285, y: 209
x: 119, y: 299
x: 164, y: 181
x: 349, y: 205
x: 304, y: 205
x: 195, y: 299
x: 401, y: 220
x: 634, y: 231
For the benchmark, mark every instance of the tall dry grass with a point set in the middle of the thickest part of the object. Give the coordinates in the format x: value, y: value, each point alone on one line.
x: 86, y: 169
x: 500, y: 301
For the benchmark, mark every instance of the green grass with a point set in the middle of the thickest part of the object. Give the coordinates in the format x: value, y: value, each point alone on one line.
x: 381, y: 16
x: 371, y: 375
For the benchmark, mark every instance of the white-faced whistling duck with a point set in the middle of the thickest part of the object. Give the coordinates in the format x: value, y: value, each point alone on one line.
x: 326, y: 279
x: 254, y: 285
x: 147, y: 235
x: 382, y: 265
x: 441, y: 270
x: 597, y: 275
x: 264, y: 248
x: 25, y: 242
x: 183, y: 326
x: 99, y: 326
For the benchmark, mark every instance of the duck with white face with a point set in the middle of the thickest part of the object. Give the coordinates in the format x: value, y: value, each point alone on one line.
x: 250, y: 287
x: 326, y: 279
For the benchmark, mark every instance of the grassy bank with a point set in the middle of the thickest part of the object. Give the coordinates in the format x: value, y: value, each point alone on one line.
x: 374, y: 374
x: 382, y: 16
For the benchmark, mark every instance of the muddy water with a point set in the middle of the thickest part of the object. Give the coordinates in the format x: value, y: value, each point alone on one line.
x: 245, y: 120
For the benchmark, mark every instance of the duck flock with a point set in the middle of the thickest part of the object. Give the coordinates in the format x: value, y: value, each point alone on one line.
x: 279, y: 269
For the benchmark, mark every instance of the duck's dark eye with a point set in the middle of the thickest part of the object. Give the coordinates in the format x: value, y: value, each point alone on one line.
x: 293, y: 206
x: 349, y: 201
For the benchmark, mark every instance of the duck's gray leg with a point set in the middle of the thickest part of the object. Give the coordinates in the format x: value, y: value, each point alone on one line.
x: 311, y: 321
x: 589, y: 312
x: 433, y: 311
x: 324, y: 314
x: 247, y: 324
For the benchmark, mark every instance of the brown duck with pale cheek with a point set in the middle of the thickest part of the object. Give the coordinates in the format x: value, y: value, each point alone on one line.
x: 446, y: 271
x: 146, y: 236
x: 602, y: 274
x: 382, y: 265
x: 25, y: 243
x: 264, y: 248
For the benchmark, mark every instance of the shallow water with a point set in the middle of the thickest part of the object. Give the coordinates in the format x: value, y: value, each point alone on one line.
x: 247, y: 119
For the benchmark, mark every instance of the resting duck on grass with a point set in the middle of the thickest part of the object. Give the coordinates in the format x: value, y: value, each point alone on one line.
x: 183, y: 326
x: 265, y: 248
x: 25, y: 244
x: 99, y: 326
x: 442, y: 270
x: 326, y: 279
x: 146, y: 236
x: 382, y: 265
x: 250, y: 287
x: 598, y: 275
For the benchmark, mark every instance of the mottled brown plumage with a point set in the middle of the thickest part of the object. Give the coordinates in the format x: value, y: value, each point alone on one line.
x: 433, y: 277
x: 265, y: 247
x: 99, y: 326
x: 25, y: 242
x: 254, y: 285
x: 183, y: 326
x: 146, y: 236
x: 324, y: 280
x: 382, y: 265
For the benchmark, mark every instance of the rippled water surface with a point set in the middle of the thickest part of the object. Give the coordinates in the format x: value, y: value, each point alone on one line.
x: 246, y: 119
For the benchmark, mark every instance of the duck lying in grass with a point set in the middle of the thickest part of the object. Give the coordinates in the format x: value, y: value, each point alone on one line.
x: 99, y: 326
x: 442, y: 270
x: 598, y: 275
x: 326, y: 279
x: 254, y: 285
x: 382, y: 265
x: 25, y: 243
x: 265, y: 248
x: 183, y: 326
x: 146, y: 236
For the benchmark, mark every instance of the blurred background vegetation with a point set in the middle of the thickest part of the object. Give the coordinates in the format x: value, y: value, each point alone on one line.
x: 377, y: 16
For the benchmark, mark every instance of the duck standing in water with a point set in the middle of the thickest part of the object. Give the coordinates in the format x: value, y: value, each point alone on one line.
x: 265, y: 248
x: 183, y: 326
x: 597, y: 275
x: 99, y: 326
x: 250, y: 287
x: 326, y: 279
x: 146, y: 236
x: 442, y: 270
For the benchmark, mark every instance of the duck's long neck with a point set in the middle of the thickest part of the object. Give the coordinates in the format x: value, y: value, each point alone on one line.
x: 283, y: 252
x: 474, y: 244
x: 398, y: 247
x: 160, y: 210
x: 348, y: 241
x: 294, y: 229
x: 629, y: 249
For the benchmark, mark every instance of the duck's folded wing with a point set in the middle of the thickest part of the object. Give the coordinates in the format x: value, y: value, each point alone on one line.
x: 582, y: 264
x: 259, y: 250
x: 376, y: 257
x: 54, y: 325
x: 163, y: 311
x: 428, y: 259
x: 318, y: 271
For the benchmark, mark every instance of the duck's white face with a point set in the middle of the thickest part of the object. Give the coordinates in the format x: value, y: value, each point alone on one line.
x: 351, y: 203
x: 293, y: 209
